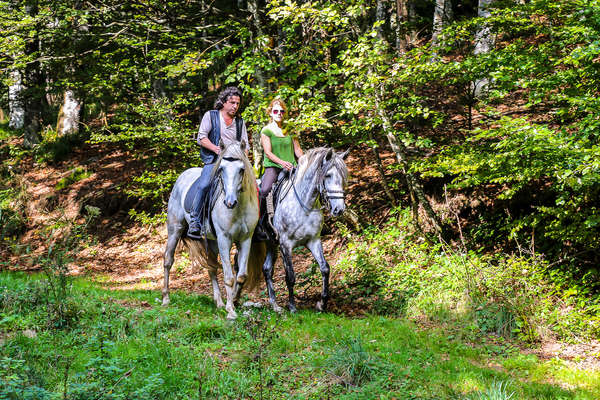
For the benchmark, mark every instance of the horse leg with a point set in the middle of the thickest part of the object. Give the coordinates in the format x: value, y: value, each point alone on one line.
x: 213, y: 264
x: 316, y: 249
x: 173, y: 237
x: 290, y: 276
x: 224, y: 243
x: 216, y: 291
x: 270, y: 259
x: 241, y: 261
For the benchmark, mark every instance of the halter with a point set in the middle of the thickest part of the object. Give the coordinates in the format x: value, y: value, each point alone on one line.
x: 328, y: 195
x: 324, y: 194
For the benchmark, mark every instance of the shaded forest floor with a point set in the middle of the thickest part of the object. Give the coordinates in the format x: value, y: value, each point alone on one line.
x: 124, y: 254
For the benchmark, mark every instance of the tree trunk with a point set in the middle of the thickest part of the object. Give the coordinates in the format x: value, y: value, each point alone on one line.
x: 381, y: 16
x: 381, y: 170
x: 257, y: 150
x: 417, y: 195
x: 484, y: 42
x: 15, y: 102
x: 35, y: 93
x: 69, y: 114
x: 442, y: 15
x: 405, y: 33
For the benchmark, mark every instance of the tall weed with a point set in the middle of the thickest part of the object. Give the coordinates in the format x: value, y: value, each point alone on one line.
x: 391, y: 271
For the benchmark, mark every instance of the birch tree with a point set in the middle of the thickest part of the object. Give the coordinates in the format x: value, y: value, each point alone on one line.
x: 15, y: 103
x: 442, y: 15
x: 484, y: 42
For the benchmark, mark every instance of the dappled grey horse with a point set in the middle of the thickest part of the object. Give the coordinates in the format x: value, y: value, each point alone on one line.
x: 234, y: 213
x: 298, y: 218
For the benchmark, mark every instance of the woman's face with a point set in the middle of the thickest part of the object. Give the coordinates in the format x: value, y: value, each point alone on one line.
x: 277, y: 113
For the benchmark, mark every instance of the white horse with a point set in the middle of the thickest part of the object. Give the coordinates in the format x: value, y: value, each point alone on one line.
x: 234, y: 214
x: 298, y: 217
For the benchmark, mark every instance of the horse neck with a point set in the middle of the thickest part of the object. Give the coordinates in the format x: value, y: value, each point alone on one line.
x: 307, y: 185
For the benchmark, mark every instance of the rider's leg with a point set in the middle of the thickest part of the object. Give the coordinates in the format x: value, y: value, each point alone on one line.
x: 266, y: 184
x: 195, y: 217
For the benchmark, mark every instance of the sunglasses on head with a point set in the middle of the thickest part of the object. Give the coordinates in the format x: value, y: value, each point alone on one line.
x: 275, y: 111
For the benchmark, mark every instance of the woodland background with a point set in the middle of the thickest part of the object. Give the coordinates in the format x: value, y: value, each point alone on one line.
x: 479, y: 122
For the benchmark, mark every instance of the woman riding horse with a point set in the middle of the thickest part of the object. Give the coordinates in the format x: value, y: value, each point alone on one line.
x: 281, y: 151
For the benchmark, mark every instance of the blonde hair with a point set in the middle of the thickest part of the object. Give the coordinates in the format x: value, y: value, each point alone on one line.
x: 272, y: 104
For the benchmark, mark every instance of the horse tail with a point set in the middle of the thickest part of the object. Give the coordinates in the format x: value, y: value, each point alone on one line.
x: 200, y: 256
x: 256, y: 259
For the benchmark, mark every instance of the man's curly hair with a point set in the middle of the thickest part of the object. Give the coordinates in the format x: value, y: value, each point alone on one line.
x: 225, y: 95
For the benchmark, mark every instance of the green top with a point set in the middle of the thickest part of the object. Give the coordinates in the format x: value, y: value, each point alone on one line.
x: 282, y: 147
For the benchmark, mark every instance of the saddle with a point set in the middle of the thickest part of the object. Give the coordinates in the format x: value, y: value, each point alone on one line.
x: 206, y: 207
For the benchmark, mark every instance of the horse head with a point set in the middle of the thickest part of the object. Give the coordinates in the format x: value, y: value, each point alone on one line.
x: 231, y: 168
x: 335, y: 175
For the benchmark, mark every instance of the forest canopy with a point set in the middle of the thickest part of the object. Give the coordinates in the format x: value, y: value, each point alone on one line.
x: 494, y: 101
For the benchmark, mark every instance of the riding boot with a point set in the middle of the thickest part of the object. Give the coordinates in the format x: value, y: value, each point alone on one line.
x: 260, y: 232
x: 195, y: 228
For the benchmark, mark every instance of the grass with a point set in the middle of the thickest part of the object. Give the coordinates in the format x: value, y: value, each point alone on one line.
x: 123, y: 344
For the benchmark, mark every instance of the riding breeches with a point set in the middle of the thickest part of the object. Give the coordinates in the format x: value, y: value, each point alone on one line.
x: 267, y: 180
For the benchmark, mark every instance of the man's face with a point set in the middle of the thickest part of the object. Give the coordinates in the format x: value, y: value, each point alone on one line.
x: 232, y: 105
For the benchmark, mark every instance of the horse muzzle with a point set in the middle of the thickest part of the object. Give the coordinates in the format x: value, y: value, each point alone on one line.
x: 337, y: 210
x: 230, y: 202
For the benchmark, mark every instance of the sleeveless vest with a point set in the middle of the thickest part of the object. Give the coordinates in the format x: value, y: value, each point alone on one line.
x: 208, y: 157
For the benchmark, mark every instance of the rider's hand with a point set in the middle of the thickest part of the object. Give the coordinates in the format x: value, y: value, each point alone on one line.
x: 287, y: 165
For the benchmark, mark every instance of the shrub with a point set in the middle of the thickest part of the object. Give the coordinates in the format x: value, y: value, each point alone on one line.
x: 390, y: 271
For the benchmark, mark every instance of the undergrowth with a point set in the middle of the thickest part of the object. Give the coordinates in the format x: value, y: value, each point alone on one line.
x: 391, y: 271
x: 125, y: 345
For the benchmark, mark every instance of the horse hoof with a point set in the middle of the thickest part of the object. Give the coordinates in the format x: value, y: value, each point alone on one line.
x: 231, y: 315
x: 165, y: 301
x: 320, y: 306
x: 292, y: 308
x: 277, y: 309
x: 220, y: 304
x: 241, y: 279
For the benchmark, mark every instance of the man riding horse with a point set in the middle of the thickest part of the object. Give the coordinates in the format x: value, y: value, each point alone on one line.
x: 220, y: 124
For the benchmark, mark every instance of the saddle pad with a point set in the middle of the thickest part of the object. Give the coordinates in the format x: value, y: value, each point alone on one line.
x: 191, y: 194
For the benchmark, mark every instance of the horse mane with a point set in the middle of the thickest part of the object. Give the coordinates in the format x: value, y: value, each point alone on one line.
x: 234, y: 150
x: 310, y: 162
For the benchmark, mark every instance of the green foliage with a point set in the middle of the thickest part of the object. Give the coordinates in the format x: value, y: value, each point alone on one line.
x: 54, y: 149
x: 12, y: 218
x: 75, y: 175
x: 498, y: 390
x: 15, y: 382
x: 352, y: 363
x: 124, y: 345
x: 64, y: 238
x: 390, y: 273
x: 516, y: 156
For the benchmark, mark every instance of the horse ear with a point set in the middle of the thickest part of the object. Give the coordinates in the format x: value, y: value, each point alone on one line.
x: 343, y: 154
x: 243, y: 145
x: 329, y: 155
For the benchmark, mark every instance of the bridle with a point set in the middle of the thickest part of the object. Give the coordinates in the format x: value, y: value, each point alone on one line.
x: 325, y: 195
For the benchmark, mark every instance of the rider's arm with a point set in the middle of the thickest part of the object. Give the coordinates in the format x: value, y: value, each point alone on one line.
x: 203, y: 131
x: 266, y: 144
x: 207, y: 144
x: 297, y: 149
